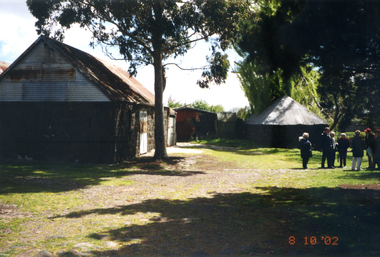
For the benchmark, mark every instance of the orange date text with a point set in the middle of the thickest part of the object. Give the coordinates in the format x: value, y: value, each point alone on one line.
x: 313, y: 240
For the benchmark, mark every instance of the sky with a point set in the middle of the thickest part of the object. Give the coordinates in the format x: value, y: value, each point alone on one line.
x: 18, y: 32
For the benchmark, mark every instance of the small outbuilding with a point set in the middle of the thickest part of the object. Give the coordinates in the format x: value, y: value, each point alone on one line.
x: 230, y: 126
x: 226, y: 126
x: 58, y: 103
x: 194, y: 123
x: 282, y: 123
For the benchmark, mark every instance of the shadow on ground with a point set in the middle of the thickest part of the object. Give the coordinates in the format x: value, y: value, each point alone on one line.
x: 362, y: 175
x: 279, y: 221
x: 21, y: 177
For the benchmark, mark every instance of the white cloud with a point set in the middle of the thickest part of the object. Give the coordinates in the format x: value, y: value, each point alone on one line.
x: 17, y: 31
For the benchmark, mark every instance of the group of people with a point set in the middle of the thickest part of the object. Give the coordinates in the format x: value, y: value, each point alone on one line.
x: 329, y: 146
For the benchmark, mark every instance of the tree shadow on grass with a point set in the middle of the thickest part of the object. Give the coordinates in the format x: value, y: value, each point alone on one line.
x: 260, y: 151
x: 21, y: 177
x: 362, y: 175
x: 280, y: 221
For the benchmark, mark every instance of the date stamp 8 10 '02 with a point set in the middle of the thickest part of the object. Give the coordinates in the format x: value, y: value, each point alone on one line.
x: 313, y: 240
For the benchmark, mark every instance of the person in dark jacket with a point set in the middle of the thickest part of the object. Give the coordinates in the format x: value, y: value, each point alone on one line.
x: 369, y: 141
x: 305, y: 147
x: 326, y: 148
x: 376, y: 149
x: 343, y: 145
x: 357, y: 145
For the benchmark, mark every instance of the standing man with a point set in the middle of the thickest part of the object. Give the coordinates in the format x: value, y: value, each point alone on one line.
x: 326, y: 148
x: 333, y: 148
x: 343, y: 145
x: 305, y: 147
x: 357, y: 145
x: 376, y: 150
x: 369, y: 141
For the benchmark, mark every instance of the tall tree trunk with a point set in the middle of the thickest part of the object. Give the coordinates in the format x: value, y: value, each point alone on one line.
x: 337, y: 114
x: 159, y: 130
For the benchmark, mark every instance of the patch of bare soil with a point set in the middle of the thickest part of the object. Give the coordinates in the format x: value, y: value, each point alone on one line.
x: 8, y: 211
x: 177, y: 177
x: 362, y: 186
x: 196, y: 161
x: 184, y: 147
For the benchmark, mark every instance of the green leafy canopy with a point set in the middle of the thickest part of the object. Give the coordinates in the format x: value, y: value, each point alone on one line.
x: 139, y: 28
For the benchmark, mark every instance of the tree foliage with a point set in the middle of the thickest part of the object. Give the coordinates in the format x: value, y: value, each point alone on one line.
x: 148, y: 32
x: 260, y: 37
x: 305, y: 87
x: 197, y: 104
x: 257, y: 86
x: 342, y: 38
x: 262, y: 75
x: 203, y: 105
x: 244, y: 113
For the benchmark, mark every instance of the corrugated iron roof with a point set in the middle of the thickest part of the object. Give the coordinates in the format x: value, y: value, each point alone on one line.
x: 3, y: 66
x: 113, y: 81
x: 286, y: 111
x: 185, y: 108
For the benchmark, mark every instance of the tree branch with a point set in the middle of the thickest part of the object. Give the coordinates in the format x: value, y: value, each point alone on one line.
x: 109, y: 55
x: 174, y: 46
x: 126, y: 33
x: 203, y: 68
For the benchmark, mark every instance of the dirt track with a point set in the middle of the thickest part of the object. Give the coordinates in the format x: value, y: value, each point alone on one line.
x: 190, y: 204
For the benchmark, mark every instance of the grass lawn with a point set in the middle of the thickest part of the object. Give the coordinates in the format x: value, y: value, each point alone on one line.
x: 244, y: 201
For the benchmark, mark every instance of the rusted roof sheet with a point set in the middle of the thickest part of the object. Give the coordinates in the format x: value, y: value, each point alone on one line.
x: 113, y: 81
x: 129, y: 80
x: 286, y: 111
x: 3, y: 66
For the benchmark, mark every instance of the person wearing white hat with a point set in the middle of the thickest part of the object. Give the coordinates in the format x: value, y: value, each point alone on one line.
x: 305, y: 147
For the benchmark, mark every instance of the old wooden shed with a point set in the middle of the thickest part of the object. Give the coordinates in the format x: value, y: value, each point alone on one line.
x: 194, y: 123
x: 58, y: 103
x: 282, y: 123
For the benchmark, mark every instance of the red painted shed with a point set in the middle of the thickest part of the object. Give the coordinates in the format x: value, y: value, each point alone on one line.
x: 194, y: 123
